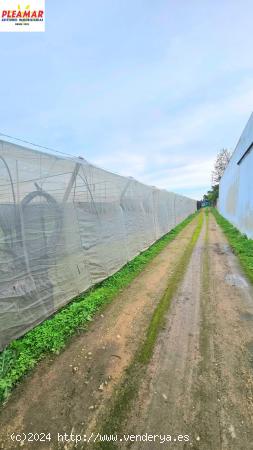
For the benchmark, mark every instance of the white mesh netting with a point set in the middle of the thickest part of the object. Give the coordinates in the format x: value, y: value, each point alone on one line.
x: 65, y: 225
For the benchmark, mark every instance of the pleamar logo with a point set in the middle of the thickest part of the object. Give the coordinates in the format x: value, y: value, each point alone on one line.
x: 22, y: 17
x: 27, y: 13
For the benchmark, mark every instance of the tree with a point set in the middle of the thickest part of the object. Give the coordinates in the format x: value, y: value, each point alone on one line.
x: 221, y: 162
x: 220, y: 165
x: 212, y: 195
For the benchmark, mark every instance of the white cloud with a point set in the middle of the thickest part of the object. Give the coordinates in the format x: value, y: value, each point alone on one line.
x: 173, y: 153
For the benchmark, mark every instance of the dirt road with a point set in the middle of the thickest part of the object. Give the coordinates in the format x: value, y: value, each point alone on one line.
x: 200, y: 380
x: 198, y: 383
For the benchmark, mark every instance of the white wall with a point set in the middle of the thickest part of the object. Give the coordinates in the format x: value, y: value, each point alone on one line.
x: 236, y: 186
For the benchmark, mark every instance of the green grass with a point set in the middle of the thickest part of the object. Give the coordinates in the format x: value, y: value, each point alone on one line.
x: 204, y: 338
x: 114, y: 420
x: 53, y: 334
x: 157, y: 320
x: 240, y: 244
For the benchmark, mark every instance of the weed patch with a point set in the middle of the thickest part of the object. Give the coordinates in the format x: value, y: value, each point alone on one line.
x: 240, y: 244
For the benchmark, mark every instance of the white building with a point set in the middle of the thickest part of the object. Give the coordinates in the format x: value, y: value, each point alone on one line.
x: 236, y: 185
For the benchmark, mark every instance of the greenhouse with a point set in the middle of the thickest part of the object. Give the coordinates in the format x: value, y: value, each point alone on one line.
x: 66, y: 225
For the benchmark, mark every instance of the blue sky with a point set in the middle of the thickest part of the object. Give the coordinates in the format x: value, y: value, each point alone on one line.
x: 150, y: 89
